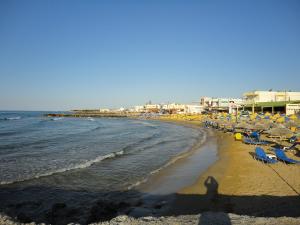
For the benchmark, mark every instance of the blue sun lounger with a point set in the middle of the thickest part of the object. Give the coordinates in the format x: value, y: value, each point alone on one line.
x: 280, y: 154
x: 261, y: 155
x: 250, y: 141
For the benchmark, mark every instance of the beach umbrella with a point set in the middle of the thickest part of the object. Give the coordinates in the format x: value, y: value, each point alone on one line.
x: 293, y: 117
x: 229, y: 125
x: 261, y: 126
x: 243, y: 125
x: 267, y: 114
x: 280, y: 120
x: 291, y: 123
x: 280, y: 132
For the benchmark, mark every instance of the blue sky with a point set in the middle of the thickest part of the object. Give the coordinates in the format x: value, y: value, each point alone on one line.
x: 59, y: 55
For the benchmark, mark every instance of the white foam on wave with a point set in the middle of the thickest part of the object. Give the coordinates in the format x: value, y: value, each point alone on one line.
x: 56, y: 118
x: 12, y: 118
x: 144, y: 123
x: 138, y: 183
x: 75, y: 167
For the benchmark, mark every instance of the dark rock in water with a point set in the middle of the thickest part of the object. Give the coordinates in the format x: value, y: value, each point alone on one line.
x: 57, y: 213
x: 122, y: 205
x: 57, y: 206
x: 60, y: 213
x: 159, y: 205
x: 103, y: 211
x: 140, y: 212
x: 136, y: 202
x: 24, y: 218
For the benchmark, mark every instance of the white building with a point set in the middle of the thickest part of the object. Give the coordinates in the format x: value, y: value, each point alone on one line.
x: 221, y: 103
x: 292, y: 109
x: 139, y: 108
x: 193, y: 109
x: 271, y: 96
x: 104, y: 110
x: 206, y: 101
x: 152, y: 107
x: 174, y: 108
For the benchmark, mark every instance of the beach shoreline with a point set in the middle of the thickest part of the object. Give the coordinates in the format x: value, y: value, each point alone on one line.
x: 234, y: 186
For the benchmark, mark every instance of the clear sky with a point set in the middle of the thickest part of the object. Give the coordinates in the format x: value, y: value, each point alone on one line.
x: 88, y: 54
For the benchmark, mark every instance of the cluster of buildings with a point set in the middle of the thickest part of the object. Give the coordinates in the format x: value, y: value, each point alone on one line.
x: 172, y: 108
x: 272, y: 101
x: 256, y: 101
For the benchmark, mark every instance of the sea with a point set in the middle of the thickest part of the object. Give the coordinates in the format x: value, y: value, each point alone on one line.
x: 63, y: 170
x: 86, y: 153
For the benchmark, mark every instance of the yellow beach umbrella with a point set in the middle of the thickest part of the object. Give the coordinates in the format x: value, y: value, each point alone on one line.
x: 280, y: 120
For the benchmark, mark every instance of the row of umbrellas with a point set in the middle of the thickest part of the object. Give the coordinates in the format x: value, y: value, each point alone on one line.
x: 271, y: 128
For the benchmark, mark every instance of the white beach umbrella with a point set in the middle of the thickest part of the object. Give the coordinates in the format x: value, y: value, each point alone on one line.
x: 280, y: 132
x: 243, y: 125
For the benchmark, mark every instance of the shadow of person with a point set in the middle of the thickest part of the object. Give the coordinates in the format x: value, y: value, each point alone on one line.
x: 213, y: 216
x: 211, y: 188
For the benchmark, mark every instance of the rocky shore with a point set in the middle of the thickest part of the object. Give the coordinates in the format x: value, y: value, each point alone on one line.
x: 208, y: 218
x: 94, y: 113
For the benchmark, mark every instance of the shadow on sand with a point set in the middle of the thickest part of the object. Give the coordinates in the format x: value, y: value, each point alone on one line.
x: 59, y: 206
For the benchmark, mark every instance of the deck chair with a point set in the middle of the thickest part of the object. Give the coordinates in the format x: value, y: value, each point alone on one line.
x: 261, y: 155
x: 250, y: 141
x: 280, y: 154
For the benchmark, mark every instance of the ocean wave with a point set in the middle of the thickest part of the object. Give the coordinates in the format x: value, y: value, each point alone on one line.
x: 10, y: 147
x: 144, y: 123
x: 11, y: 118
x: 56, y: 118
x: 138, y: 183
x: 83, y: 165
x: 8, y: 133
x: 141, y: 141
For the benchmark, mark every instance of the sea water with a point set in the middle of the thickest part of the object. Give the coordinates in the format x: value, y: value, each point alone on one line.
x: 101, y: 153
x: 75, y: 160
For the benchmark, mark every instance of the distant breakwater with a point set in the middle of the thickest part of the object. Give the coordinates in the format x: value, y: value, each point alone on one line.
x: 91, y: 114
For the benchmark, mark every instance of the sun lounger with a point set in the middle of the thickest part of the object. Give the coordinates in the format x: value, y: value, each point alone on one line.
x: 280, y: 154
x: 278, y: 137
x: 250, y: 141
x: 261, y: 155
x: 255, y: 135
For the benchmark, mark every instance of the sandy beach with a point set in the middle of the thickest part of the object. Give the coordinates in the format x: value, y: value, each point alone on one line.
x: 239, y: 184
